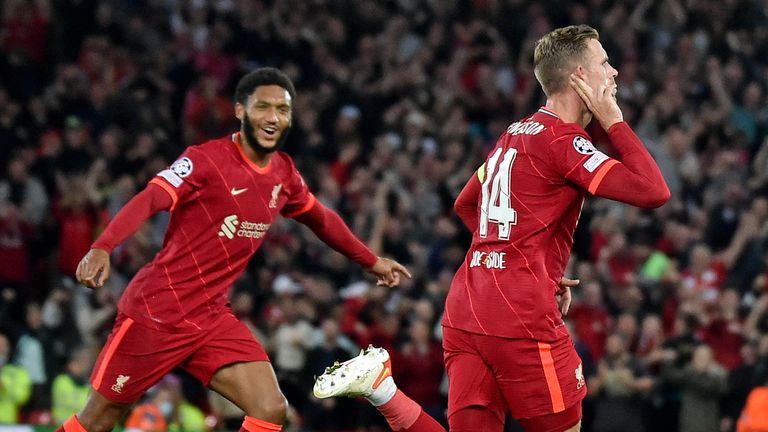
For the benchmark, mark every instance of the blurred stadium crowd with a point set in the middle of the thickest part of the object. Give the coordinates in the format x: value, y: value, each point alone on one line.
x: 397, y: 103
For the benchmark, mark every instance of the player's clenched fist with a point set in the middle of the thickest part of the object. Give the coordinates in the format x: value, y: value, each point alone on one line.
x: 93, y: 269
x: 388, y: 272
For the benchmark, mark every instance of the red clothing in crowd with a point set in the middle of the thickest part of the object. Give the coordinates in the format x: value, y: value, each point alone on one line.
x: 14, y: 251
x: 724, y: 337
x: 420, y: 373
x: 26, y: 32
x: 707, y: 283
x: 76, y: 231
x: 591, y: 324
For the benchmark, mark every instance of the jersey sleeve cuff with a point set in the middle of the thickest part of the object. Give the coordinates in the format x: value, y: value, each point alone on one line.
x: 168, y: 188
x: 103, y: 246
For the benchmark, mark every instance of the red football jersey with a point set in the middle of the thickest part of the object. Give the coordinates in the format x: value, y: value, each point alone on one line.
x: 533, y: 185
x: 223, y: 205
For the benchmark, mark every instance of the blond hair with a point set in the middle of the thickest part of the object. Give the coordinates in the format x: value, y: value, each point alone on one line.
x: 556, y: 54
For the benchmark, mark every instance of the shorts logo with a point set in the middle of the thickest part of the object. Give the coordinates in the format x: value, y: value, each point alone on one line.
x: 229, y: 227
x: 275, y: 193
x: 579, y: 377
x: 182, y: 167
x: 583, y: 145
x: 119, y: 383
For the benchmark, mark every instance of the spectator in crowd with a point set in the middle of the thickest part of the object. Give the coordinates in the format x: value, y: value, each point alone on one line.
x: 591, y: 321
x: 754, y: 416
x: 15, y: 384
x: 70, y: 388
x: 741, y: 381
x: 420, y: 366
x: 329, y: 414
x: 619, y: 386
x: 703, y: 382
x: 166, y: 409
x: 31, y: 354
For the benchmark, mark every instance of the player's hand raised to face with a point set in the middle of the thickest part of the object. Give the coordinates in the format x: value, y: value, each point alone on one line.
x: 600, y: 101
x: 93, y: 269
x: 388, y: 272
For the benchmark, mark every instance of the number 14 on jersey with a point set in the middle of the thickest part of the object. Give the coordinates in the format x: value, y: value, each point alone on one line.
x: 495, y: 205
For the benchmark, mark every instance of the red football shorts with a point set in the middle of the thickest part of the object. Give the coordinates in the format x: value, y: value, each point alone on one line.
x: 523, y: 376
x: 136, y: 357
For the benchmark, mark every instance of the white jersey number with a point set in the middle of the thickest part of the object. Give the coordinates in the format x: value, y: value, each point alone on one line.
x: 495, y: 206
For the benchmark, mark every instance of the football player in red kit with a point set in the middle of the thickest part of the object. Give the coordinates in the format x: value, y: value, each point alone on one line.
x: 506, y: 348
x: 223, y: 195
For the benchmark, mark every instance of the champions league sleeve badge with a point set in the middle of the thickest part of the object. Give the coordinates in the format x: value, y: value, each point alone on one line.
x: 583, y: 145
x: 183, y: 167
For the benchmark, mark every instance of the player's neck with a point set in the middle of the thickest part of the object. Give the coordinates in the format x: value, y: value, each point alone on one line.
x: 257, y: 157
x: 570, y: 108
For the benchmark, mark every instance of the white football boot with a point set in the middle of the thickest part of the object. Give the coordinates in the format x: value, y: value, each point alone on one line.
x: 357, y: 377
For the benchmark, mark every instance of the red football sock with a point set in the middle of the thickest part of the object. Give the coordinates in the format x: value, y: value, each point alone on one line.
x: 403, y: 414
x: 425, y: 423
x: 252, y: 424
x: 71, y: 425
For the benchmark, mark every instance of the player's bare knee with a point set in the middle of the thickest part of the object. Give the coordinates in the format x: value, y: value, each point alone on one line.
x: 272, y: 409
x: 278, y: 409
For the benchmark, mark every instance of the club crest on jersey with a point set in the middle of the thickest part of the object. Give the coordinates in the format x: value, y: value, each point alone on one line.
x: 583, y: 145
x: 275, y: 194
x: 182, y: 167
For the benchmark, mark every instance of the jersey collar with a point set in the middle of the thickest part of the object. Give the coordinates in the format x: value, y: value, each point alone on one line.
x: 252, y: 164
x: 546, y: 110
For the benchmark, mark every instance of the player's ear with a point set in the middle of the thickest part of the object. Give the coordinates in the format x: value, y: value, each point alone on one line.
x: 580, y: 72
x: 239, y: 111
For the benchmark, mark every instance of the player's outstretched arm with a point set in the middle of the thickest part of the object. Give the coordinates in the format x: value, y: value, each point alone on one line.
x: 637, y: 180
x: 330, y: 228
x: 93, y: 269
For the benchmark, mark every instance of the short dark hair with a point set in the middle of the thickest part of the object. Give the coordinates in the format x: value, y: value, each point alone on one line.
x: 261, y: 77
x: 557, y: 52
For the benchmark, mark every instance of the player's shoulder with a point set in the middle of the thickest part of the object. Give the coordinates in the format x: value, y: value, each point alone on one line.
x: 216, y: 151
x: 571, y: 134
x: 214, y: 145
x: 200, y: 156
x: 562, y: 129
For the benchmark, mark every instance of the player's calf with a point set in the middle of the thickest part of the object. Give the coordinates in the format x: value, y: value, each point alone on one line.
x: 98, y: 415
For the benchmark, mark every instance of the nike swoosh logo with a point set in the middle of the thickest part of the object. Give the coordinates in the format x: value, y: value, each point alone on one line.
x: 382, y: 376
x: 238, y: 191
